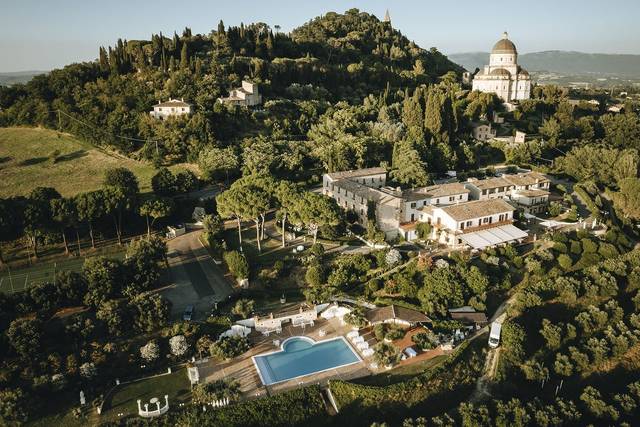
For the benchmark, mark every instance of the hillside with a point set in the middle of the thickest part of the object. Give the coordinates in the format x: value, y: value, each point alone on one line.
x: 564, y: 62
x: 335, y: 57
x: 8, y: 79
x: 27, y: 161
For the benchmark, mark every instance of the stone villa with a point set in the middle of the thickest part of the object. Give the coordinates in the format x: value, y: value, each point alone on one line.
x: 477, y: 213
x: 170, y: 108
x: 246, y: 95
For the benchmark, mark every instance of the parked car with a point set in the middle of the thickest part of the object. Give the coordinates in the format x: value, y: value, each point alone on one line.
x: 188, y: 313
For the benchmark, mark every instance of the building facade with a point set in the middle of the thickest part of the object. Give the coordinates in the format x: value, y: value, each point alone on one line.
x: 483, y: 131
x: 170, y: 108
x: 459, y: 213
x: 503, y: 76
x: 247, y: 95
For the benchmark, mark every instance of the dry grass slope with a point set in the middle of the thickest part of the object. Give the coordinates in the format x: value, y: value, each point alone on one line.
x: 34, y: 157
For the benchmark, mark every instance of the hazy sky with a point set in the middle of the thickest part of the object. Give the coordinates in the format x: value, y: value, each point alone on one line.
x: 45, y: 34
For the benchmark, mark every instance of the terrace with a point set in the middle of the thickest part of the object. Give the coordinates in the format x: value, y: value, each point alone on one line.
x: 243, y: 370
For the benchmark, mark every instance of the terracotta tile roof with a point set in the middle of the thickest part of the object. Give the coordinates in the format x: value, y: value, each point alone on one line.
x: 532, y: 193
x: 381, y: 314
x: 408, y: 226
x: 441, y: 190
x: 527, y: 178
x: 172, y: 103
x: 476, y: 209
x: 356, y: 173
x: 488, y: 183
x: 469, y: 317
x: 368, y: 193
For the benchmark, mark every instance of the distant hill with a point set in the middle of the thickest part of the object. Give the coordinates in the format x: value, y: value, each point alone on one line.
x: 564, y: 62
x: 8, y: 79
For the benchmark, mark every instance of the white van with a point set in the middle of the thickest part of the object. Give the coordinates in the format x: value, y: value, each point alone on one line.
x: 494, y: 335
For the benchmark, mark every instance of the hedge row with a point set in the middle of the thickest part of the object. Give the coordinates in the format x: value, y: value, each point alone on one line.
x: 303, y: 406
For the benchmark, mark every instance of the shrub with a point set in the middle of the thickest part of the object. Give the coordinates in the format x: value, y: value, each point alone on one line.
x: 88, y: 370
x: 386, y: 354
x: 423, y: 230
x: 13, y: 407
x: 555, y: 209
x: 243, y: 307
x: 611, y: 236
x: 576, y: 247
x: 607, y: 250
x: 424, y: 340
x: 573, y: 214
x: 589, y: 246
x: 178, y: 345
x: 302, y: 406
x: 204, y: 394
x: 560, y: 247
x: 317, y: 250
x: 315, y: 275
x: 387, y: 331
x: 150, y: 352
x: 356, y: 318
x: 229, y: 347
x: 565, y: 261
x: 237, y: 264
x: 393, y: 258
x: 589, y: 258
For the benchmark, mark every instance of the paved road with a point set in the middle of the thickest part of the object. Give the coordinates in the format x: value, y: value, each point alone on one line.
x: 195, y: 278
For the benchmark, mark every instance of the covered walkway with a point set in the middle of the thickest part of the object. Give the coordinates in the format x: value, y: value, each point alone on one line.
x: 493, y: 236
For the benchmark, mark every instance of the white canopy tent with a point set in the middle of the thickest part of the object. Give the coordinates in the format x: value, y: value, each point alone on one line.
x: 335, y: 311
x: 236, y: 331
x: 493, y: 236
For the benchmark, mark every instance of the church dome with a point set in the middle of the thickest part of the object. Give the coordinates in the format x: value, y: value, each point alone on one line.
x: 504, y: 45
x: 500, y: 72
x: 523, y: 73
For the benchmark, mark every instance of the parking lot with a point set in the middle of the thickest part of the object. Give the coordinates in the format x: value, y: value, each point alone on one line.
x: 194, y: 278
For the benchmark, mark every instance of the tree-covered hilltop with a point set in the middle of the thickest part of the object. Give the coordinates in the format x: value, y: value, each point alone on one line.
x: 334, y: 57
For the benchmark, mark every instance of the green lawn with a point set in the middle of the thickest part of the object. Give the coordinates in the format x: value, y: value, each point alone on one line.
x: 58, y: 410
x: 26, y: 162
x: 124, y: 399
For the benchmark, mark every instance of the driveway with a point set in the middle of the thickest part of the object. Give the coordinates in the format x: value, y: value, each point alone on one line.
x: 195, y: 279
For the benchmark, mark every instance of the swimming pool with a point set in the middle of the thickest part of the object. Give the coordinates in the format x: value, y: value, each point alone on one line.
x: 302, y: 356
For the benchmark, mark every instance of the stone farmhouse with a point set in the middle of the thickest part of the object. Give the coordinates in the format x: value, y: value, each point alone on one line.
x: 170, y: 108
x: 476, y: 213
x: 246, y: 95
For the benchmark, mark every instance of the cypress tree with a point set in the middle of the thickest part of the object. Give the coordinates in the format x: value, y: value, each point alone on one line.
x: 104, y: 60
x: 413, y: 117
x: 433, y: 114
x: 184, y: 57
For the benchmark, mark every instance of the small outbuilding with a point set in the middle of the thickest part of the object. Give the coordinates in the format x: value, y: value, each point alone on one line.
x: 397, y: 315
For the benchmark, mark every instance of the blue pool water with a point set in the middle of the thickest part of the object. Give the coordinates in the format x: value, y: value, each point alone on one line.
x: 301, y: 356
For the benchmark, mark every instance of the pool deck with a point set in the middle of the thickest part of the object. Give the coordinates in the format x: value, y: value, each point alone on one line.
x: 242, y: 369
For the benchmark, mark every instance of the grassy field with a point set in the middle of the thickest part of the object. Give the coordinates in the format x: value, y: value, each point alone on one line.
x: 124, y: 399
x: 58, y: 410
x: 15, y: 280
x: 27, y: 161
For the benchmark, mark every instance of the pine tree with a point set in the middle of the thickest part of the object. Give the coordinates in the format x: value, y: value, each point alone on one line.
x: 104, y: 60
